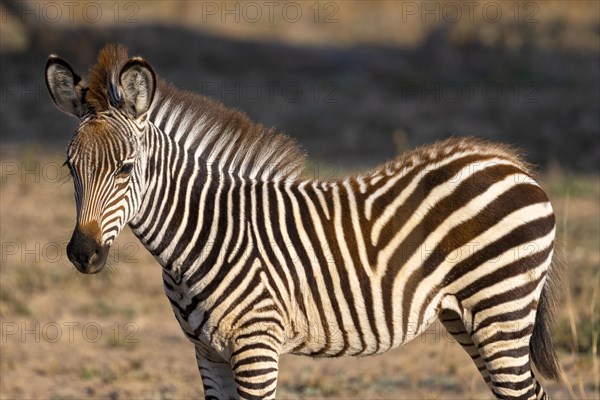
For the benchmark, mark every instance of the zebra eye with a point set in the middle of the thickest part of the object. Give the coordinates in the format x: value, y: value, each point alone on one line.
x: 126, y: 168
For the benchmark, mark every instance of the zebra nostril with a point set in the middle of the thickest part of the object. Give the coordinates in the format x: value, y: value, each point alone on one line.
x: 84, y: 260
x: 84, y: 251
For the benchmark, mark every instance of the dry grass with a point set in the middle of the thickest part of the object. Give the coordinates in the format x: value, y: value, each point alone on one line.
x: 156, y: 361
x: 578, y: 246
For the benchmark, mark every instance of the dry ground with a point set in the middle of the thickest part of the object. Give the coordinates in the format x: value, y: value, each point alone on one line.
x: 65, y: 335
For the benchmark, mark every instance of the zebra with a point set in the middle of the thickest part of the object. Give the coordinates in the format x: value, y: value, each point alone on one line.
x: 259, y: 260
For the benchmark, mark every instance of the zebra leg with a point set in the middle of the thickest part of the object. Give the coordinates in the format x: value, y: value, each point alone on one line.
x: 217, y: 377
x: 504, y: 347
x: 454, y: 325
x: 255, y: 360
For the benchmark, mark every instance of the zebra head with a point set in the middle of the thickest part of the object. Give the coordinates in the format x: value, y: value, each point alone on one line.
x: 107, y: 156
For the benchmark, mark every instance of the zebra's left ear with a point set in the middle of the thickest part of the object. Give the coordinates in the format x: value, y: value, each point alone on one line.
x: 137, y: 83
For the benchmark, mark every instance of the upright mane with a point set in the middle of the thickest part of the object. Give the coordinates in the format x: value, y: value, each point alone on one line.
x: 226, y: 137
x: 103, y: 76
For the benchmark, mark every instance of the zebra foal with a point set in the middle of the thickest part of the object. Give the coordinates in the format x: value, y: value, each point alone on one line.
x: 258, y: 261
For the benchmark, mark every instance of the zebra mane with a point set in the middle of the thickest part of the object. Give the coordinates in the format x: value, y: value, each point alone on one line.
x: 103, y: 76
x: 225, y: 137
x: 221, y: 136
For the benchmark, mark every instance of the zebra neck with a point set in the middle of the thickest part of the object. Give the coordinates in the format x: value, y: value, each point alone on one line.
x: 170, y: 206
x: 197, y: 151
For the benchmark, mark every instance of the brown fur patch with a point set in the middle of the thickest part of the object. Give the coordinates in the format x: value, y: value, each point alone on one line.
x: 92, y: 229
x: 104, y: 73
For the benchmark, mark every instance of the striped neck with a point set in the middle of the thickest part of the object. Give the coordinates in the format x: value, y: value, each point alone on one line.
x: 197, y: 150
x: 176, y: 184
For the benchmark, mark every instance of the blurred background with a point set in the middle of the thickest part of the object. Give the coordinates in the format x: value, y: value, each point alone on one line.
x: 355, y: 83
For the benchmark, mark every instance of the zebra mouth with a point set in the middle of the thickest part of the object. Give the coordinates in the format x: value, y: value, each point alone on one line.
x: 97, y: 261
x: 92, y: 264
x: 88, y: 256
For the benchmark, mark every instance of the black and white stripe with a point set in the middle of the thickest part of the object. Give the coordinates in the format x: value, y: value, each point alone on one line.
x: 258, y: 262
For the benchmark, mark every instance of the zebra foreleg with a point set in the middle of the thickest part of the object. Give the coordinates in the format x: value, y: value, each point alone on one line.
x: 254, y: 361
x: 217, y: 377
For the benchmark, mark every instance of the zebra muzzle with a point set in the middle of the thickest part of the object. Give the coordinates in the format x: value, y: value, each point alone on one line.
x: 86, y: 253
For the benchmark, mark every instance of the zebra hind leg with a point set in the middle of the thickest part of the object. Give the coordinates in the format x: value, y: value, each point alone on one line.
x: 507, y: 376
x: 512, y: 332
x: 504, y: 346
x: 454, y: 325
x: 506, y: 355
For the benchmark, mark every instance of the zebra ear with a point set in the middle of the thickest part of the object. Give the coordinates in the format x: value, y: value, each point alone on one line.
x: 137, y: 83
x: 65, y: 86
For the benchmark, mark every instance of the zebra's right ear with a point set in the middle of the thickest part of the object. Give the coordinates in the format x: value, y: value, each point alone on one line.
x: 64, y: 85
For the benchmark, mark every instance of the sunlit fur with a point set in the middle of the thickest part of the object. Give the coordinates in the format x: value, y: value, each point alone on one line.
x: 258, y: 261
x: 104, y: 196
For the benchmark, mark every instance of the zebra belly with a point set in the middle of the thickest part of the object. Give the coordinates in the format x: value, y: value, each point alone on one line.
x: 316, y: 344
x: 362, y: 330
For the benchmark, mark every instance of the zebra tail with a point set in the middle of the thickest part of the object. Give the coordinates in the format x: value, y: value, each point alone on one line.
x: 541, y: 348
